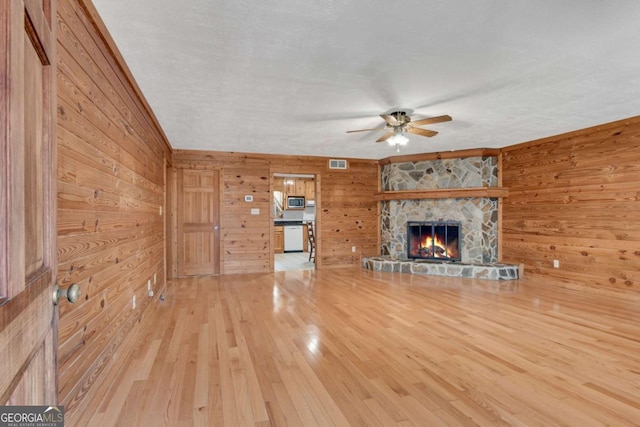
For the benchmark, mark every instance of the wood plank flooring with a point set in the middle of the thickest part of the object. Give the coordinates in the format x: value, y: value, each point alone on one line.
x: 350, y: 347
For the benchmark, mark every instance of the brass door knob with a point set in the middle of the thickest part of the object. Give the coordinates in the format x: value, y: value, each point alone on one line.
x: 71, y: 293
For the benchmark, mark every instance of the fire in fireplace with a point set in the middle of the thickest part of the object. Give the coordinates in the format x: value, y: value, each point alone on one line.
x: 433, y: 240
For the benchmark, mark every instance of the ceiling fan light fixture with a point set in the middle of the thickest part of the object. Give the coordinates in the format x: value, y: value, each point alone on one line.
x: 398, y: 139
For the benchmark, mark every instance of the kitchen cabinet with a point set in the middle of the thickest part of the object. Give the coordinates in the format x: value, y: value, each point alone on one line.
x: 278, y: 185
x: 310, y: 189
x: 278, y: 239
x: 300, y: 188
x: 290, y: 187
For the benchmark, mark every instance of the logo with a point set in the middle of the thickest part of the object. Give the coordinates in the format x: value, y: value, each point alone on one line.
x: 31, y: 416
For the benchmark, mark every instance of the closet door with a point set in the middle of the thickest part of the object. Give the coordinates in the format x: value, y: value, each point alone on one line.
x: 198, y: 222
x: 28, y: 317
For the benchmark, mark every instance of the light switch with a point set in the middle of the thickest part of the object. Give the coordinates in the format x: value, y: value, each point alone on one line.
x: 255, y: 211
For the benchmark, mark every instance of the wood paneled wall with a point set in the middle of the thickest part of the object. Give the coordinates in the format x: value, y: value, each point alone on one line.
x: 575, y: 198
x: 346, y: 213
x: 111, y: 166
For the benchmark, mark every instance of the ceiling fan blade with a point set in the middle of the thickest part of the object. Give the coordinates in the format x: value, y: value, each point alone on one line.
x: 362, y: 130
x: 431, y: 120
x: 390, y: 119
x: 385, y: 137
x: 421, y: 132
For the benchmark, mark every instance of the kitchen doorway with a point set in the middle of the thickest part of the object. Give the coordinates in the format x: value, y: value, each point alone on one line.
x: 294, y: 216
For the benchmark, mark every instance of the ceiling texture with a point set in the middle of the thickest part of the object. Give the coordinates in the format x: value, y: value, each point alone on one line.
x: 292, y: 76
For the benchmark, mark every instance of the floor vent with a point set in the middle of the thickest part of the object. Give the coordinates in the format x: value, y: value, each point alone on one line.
x: 337, y: 164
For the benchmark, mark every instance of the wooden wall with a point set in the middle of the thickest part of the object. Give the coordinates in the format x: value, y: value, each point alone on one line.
x: 575, y: 198
x: 111, y: 166
x: 346, y: 213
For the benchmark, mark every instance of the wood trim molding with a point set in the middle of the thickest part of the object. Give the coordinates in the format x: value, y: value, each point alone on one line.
x: 8, y: 126
x: 446, y: 193
x: 460, y: 154
x: 182, y: 155
x: 36, y: 23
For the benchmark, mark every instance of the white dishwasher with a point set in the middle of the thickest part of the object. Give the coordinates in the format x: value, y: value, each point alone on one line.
x: 293, y: 238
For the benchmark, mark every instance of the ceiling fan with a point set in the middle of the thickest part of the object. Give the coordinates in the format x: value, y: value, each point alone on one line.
x: 399, y: 122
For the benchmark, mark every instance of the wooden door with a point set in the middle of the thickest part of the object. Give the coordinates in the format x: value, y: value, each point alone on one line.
x: 198, y: 222
x: 28, y: 318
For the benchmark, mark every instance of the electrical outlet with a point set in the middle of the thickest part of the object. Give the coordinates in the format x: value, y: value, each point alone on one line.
x: 150, y: 293
x: 556, y: 263
x: 133, y: 302
x: 353, y: 248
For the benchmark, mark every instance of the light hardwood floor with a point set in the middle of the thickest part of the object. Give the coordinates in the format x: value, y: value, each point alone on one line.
x: 353, y: 347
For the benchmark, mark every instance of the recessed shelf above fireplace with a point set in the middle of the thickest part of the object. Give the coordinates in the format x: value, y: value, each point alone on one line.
x: 446, y: 193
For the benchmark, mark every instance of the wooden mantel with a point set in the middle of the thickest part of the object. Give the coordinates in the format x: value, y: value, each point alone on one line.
x: 446, y: 193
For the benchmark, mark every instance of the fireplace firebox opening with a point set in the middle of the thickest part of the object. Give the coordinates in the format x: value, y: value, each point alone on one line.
x: 434, y: 240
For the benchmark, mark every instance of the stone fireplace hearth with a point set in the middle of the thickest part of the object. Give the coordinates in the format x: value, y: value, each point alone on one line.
x: 449, y: 269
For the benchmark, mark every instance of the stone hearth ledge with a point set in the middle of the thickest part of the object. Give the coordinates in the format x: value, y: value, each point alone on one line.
x: 444, y: 268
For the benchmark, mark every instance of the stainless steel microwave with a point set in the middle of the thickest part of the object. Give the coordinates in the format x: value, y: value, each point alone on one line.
x: 295, y: 202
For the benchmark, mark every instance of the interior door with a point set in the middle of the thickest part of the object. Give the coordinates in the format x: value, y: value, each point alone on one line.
x: 28, y: 318
x: 198, y: 222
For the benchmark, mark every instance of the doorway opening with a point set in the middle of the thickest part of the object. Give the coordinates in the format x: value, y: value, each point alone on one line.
x: 294, y: 217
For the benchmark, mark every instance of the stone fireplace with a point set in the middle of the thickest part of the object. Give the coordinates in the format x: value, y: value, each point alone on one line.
x: 476, y: 219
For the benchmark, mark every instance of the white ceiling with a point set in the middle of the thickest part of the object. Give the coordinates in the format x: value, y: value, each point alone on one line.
x: 292, y: 76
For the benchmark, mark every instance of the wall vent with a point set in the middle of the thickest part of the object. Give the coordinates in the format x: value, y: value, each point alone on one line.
x: 337, y: 164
